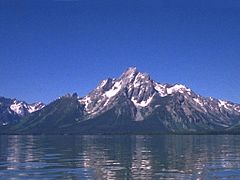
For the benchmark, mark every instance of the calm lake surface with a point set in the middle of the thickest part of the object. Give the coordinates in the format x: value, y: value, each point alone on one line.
x: 120, y: 157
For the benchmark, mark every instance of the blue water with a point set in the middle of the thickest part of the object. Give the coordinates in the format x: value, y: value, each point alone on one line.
x: 120, y: 157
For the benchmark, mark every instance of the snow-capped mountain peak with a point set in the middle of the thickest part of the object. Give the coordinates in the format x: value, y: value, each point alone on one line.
x: 35, y: 107
x: 21, y: 108
x: 137, y: 87
x: 18, y: 107
x: 12, y: 110
x: 140, y: 91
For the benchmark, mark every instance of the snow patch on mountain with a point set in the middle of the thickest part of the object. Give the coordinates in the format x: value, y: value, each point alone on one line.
x: 114, y: 90
x: 18, y: 107
x: 86, y: 101
x: 178, y: 88
x: 225, y: 104
x: 161, y: 89
x: 198, y: 101
x: 35, y: 107
x: 237, y: 108
x: 142, y: 103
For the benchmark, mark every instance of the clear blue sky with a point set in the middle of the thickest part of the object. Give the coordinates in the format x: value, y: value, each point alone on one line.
x: 49, y: 48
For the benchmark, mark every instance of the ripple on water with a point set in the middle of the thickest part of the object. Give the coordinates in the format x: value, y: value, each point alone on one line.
x: 120, y: 157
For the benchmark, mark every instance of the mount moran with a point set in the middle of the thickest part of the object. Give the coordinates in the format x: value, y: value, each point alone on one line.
x: 132, y: 103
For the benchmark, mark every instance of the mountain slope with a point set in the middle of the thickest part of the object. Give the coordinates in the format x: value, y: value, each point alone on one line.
x: 55, y: 117
x: 133, y: 103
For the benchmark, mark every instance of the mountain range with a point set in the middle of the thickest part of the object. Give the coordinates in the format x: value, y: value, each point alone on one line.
x: 130, y: 104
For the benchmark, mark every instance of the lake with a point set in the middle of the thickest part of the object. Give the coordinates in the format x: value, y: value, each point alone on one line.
x: 120, y: 157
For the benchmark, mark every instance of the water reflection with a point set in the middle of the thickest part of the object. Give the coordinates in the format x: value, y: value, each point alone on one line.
x: 120, y: 157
